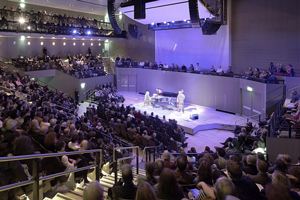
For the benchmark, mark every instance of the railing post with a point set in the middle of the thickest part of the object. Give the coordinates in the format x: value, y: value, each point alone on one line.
x: 258, y: 118
x: 36, y: 177
x: 115, y: 166
x: 137, y: 160
x: 154, y: 154
x: 290, y: 131
x: 98, y: 165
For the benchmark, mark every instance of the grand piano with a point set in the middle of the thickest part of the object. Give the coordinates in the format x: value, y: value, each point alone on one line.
x: 164, y: 99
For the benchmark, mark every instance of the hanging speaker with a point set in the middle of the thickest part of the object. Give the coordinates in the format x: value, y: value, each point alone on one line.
x: 194, y: 13
x: 140, y: 9
x: 210, y: 27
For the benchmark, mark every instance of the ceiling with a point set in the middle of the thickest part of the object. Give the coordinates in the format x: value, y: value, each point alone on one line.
x: 98, y: 7
x: 156, y: 11
x: 166, y: 11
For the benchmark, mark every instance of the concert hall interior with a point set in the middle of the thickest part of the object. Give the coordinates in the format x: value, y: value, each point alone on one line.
x: 149, y: 99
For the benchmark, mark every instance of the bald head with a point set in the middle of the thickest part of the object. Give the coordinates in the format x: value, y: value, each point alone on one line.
x: 94, y: 191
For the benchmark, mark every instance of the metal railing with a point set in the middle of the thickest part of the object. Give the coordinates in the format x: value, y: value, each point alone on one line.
x: 276, y: 114
x: 115, y: 161
x: 147, y: 154
x: 36, y: 169
x: 57, y: 107
x: 256, y: 118
x: 54, y: 24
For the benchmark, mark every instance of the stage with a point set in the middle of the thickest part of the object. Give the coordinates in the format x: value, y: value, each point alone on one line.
x: 209, y: 118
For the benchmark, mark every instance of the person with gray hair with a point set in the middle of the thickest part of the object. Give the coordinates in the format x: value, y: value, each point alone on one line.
x: 93, y: 191
x: 224, y: 187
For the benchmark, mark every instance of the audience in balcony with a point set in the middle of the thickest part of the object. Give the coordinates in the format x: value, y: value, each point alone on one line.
x: 80, y: 66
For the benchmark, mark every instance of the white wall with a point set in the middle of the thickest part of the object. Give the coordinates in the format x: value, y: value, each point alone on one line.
x: 189, y: 46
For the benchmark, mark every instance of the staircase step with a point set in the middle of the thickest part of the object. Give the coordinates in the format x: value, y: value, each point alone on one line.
x: 60, y: 196
x: 71, y: 194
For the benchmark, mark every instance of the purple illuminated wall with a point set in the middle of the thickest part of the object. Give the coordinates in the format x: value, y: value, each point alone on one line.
x: 189, y: 46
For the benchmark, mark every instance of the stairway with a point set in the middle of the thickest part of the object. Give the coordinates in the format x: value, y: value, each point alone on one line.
x: 107, y: 181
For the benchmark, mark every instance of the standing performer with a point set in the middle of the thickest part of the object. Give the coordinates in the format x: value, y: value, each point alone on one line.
x: 147, y: 98
x: 180, y: 101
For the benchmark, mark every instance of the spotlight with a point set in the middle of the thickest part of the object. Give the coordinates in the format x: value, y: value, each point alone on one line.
x: 74, y: 31
x: 165, y: 22
x: 88, y: 32
x: 152, y: 23
x: 173, y: 22
x: 184, y: 20
x: 28, y: 27
x: 22, y: 5
x: 21, y: 20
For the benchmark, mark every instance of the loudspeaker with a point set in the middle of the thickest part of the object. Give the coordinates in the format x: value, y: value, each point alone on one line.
x: 140, y: 9
x: 210, y: 27
x: 194, y: 116
x: 194, y: 13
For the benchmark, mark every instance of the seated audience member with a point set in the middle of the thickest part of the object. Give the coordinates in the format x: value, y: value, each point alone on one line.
x: 167, y: 162
x: 229, y: 70
x: 149, y: 175
x: 191, y: 68
x: 145, y: 192
x: 276, y: 191
x: 245, y: 186
x: 281, y: 178
x: 220, y: 161
x: 93, y: 191
x: 159, y: 167
x: 220, y: 70
x: 256, y: 73
x: 183, y: 68
x: 290, y: 71
x: 167, y: 187
x: 125, y: 189
x: 263, y: 75
x: 294, y: 96
x: 249, y: 72
x: 180, y: 173
x: 272, y: 67
x: 212, y: 69
x: 251, y: 166
x: 262, y: 177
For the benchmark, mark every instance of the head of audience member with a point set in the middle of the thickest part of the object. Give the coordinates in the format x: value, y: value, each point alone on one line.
x: 221, y: 152
x: 276, y: 191
x: 50, y: 141
x: 260, y: 156
x: 145, y: 192
x: 23, y: 146
x: 205, y: 172
x: 224, y: 187
x: 66, y: 132
x: 281, y: 178
x: 251, y: 160
x: 160, y: 166
x: 52, y: 122
x: 93, y: 191
x: 181, y: 163
x: 234, y: 170
x: 127, y: 174
x: 167, y: 183
x: 11, y: 125
x: 43, y: 130
x: 60, y: 145
x: 262, y: 166
x: 166, y: 155
x: 216, y: 175
x: 281, y: 166
x: 285, y: 158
